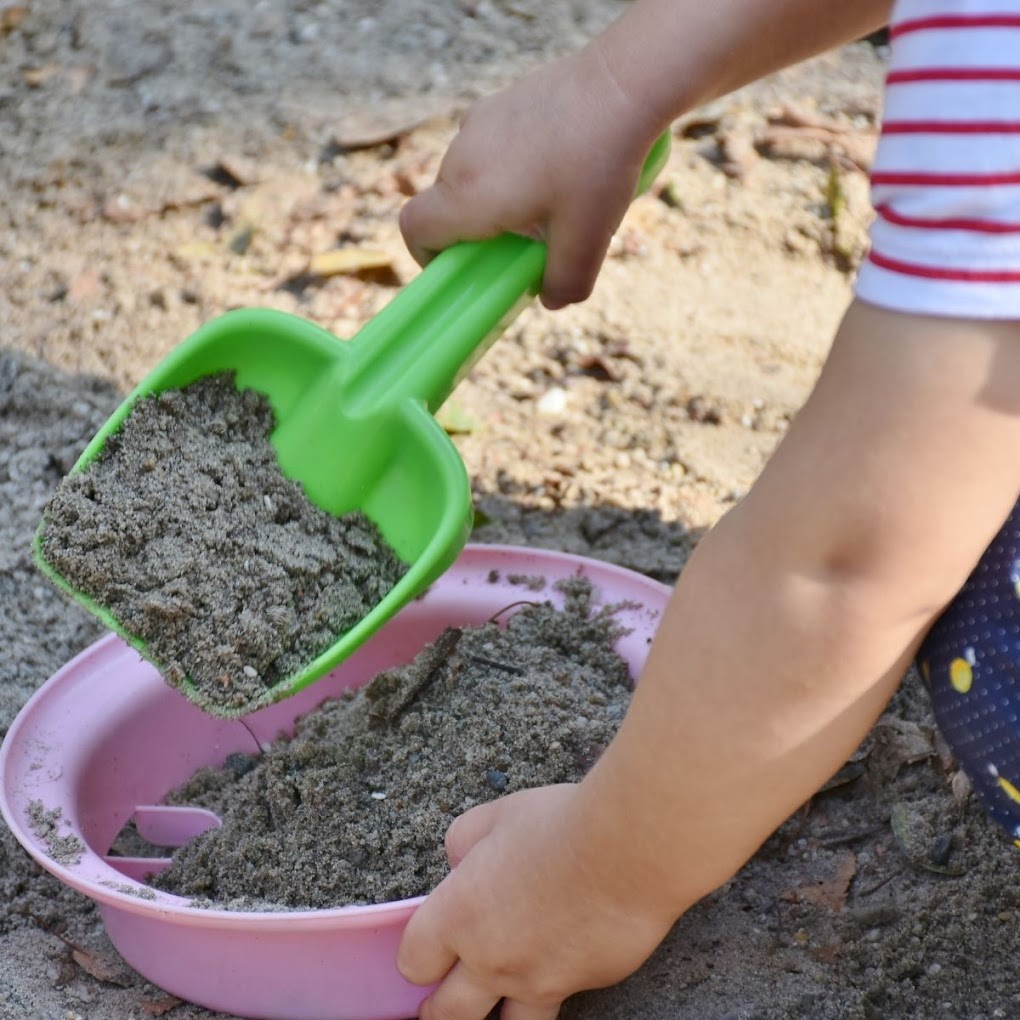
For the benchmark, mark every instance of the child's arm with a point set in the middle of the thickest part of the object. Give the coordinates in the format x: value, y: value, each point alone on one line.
x: 798, y: 613
x: 787, y: 632
x: 557, y: 155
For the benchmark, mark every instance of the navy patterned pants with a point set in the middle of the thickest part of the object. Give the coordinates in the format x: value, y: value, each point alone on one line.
x: 971, y: 662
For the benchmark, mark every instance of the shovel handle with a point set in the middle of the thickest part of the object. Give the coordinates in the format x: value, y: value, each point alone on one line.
x: 434, y: 331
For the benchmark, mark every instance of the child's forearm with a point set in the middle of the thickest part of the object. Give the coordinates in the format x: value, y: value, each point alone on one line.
x: 795, y: 618
x: 668, y: 56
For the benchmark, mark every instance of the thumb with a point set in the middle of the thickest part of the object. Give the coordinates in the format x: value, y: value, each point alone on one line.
x: 468, y: 829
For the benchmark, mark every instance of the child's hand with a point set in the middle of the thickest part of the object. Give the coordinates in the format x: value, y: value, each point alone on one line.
x: 555, y: 157
x: 531, y: 913
x: 558, y: 155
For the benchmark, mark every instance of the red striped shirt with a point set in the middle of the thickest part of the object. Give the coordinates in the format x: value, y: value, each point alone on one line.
x: 946, y: 179
x: 945, y: 273
x: 951, y: 127
x: 890, y: 215
x: 953, y: 74
x: 954, y: 21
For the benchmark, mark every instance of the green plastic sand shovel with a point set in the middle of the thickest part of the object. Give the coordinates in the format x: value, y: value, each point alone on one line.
x: 355, y: 420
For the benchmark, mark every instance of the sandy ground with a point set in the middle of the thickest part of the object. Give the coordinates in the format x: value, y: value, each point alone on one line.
x: 164, y: 163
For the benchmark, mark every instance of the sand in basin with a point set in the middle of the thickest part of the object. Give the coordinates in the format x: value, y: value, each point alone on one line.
x: 353, y: 809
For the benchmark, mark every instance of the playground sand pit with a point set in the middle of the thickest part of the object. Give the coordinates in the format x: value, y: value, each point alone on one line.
x: 164, y: 164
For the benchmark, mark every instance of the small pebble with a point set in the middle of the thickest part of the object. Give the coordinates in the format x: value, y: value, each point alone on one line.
x: 250, y: 672
x: 496, y: 779
x: 553, y: 401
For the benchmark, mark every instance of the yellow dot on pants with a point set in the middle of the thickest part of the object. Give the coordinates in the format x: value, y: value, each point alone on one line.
x: 961, y: 676
x: 1009, y: 789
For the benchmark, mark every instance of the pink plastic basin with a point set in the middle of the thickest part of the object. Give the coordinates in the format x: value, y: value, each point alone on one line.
x: 105, y: 739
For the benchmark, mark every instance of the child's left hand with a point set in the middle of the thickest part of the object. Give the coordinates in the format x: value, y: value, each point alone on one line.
x: 531, y: 913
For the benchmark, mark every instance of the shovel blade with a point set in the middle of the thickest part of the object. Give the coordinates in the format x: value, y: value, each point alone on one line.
x: 397, y: 466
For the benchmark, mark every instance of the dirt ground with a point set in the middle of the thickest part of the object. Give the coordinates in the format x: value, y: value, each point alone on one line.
x: 164, y: 162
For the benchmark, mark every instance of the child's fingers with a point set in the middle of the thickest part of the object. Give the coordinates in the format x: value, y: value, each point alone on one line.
x: 459, y: 997
x: 578, y: 241
x: 467, y: 829
x: 513, y: 1010
x: 423, y: 957
x: 438, y: 217
x: 422, y: 223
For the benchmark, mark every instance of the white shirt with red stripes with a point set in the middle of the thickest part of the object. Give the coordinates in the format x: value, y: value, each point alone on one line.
x: 946, y: 179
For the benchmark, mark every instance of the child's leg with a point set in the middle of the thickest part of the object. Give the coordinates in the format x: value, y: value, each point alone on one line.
x: 971, y: 661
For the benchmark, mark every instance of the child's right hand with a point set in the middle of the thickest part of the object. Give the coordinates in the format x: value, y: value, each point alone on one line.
x: 555, y: 157
x: 545, y: 899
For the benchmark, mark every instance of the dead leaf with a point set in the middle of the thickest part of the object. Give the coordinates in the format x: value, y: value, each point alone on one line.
x: 961, y: 786
x: 102, y: 968
x: 373, y: 127
x: 12, y: 17
x: 849, y: 773
x: 35, y: 77
x: 831, y: 892
x: 157, y: 1007
x: 348, y: 260
x: 853, y: 148
x: 455, y: 420
x: 897, y: 743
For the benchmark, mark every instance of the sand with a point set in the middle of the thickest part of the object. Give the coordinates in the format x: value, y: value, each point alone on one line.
x: 187, y: 531
x: 621, y: 429
x: 354, y: 807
